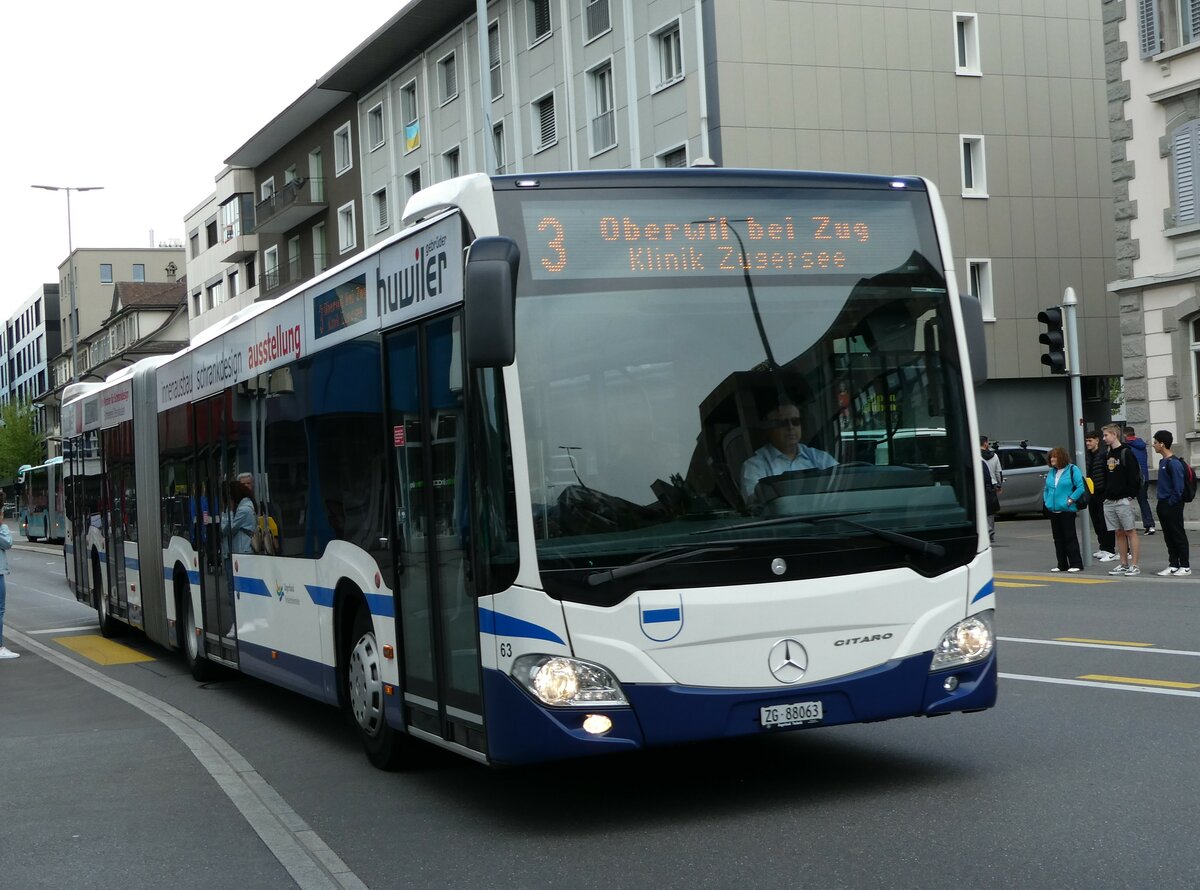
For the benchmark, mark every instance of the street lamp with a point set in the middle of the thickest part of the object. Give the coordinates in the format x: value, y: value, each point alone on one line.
x: 71, y: 266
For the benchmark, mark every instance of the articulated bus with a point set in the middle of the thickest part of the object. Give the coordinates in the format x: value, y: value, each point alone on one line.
x: 561, y: 469
x: 40, y: 501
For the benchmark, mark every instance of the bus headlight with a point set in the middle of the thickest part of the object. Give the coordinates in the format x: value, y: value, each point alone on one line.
x: 971, y: 640
x: 566, y: 682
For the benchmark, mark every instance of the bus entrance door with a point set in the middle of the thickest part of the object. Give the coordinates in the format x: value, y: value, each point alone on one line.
x: 435, y: 608
x: 214, y: 470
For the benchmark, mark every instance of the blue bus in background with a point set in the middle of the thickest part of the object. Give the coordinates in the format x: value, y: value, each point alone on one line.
x: 40, y: 501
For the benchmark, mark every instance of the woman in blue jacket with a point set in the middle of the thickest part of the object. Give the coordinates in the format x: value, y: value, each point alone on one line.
x: 1064, y: 486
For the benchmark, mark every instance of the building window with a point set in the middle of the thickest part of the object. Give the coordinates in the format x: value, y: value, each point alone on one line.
x: 347, y: 236
x: 413, y: 180
x: 379, y: 203
x: 447, y: 78
x: 375, y: 126
x: 667, y: 49
x: 1185, y: 151
x: 343, y: 159
x: 974, y: 168
x: 450, y: 163
x: 266, y: 190
x: 498, y: 146
x: 271, y: 268
x: 408, y: 109
x: 966, y: 43
x: 106, y: 273
x: 1195, y: 347
x: 979, y: 279
x: 215, y: 297
x: 1166, y: 24
x: 320, y: 254
x: 194, y: 244
x: 543, y: 122
x: 139, y: 271
x: 234, y: 281
x: 539, y: 20
x: 494, y: 60
x: 604, y: 121
x: 293, y: 258
x: 197, y: 307
x: 596, y: 19
x: 676, y: 157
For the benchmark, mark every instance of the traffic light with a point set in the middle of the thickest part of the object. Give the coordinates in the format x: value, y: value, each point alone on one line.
x: 1052, y: 338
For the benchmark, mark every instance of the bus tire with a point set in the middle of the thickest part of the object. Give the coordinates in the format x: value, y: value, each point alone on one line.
x: 189, y: 641
x: 109, y: 626
x: 364, y: 695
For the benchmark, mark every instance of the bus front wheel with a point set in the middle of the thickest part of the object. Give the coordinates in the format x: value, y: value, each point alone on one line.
x: 364, y: 698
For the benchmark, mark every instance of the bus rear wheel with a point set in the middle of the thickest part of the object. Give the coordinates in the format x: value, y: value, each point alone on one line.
x: 364, y: 699
x: 109, y: 627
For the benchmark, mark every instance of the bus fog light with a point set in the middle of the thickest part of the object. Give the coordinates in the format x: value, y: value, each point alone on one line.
x: 967, y: 642
x: 597, y: 724
x: 566, y: 682
x: 951, y: 684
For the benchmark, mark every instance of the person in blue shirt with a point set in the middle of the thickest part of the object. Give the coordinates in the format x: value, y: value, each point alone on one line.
x: 1137, y: 445
x: 1064, y: 486
x: 1170, y: 505
x: 784, y: 451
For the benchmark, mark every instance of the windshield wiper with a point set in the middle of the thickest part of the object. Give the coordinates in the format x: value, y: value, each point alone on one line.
x: 925, y: 548
x: 651, y: 561
x: 778, y: 520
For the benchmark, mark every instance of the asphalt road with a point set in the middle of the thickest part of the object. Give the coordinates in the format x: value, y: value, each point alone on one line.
x: 132, y: 775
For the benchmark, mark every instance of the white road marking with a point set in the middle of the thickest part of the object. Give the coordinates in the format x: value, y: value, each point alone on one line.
x: 65, y: 630
x: 1100, y: 646
x: 1122, y: 687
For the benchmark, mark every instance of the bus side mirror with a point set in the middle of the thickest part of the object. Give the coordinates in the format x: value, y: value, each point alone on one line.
x: 972, y: 313
x: 489, y: 294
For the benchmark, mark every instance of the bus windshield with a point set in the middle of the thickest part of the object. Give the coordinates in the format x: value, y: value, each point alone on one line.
x: 744, y: 383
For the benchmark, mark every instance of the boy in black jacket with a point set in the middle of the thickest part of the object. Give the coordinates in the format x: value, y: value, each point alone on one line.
x: 1122, y: 482
x: 1097, y: 454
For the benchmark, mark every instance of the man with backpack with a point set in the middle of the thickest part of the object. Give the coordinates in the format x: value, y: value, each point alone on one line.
x: 1122, y: 482
x: 1175, y: 482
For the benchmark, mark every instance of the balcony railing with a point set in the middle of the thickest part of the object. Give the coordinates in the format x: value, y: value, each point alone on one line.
x: 290, y: 206
x: 270, y: 279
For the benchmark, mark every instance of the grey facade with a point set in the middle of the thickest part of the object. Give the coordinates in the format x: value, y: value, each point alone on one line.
x: 32, y: 339
x: 1004, y: 106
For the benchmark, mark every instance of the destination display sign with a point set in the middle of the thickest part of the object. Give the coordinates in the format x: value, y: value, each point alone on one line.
x: 723, y: 233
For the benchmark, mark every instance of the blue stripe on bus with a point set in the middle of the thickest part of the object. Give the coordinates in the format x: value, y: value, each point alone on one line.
x: 381, y: 604
x: 251, y: 586
x: 131, y: 562
x: 498, y: 623
x: 987, y: 590
x: 660, y: 616
x: 169, y: 575
x: 321, y: 596
x: 303, y: 675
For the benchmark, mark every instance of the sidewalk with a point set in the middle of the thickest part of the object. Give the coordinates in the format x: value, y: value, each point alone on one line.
x: 1026, y: 545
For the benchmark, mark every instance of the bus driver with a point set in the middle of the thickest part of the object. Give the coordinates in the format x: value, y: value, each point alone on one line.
x: 783, y: 452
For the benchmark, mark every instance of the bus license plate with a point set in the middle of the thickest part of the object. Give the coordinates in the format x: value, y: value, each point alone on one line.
x: 794, y: 714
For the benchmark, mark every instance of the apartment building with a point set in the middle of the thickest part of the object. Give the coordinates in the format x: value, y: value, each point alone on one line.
x: 31, y: 341
x: 1153, y: 53
x: 1003, y: 106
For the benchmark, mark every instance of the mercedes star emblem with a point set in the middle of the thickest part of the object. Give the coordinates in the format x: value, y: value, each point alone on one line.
x: 788, y: 661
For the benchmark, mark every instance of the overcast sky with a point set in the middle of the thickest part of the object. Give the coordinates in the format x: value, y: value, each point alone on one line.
x: 147, y: 101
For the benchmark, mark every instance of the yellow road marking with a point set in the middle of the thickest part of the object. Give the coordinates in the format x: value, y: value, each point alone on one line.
x: 1016, y: 584
x: 1099, y: 642
x: 102, y: 651
x: 1057, y: 579
x: 1138, y: 681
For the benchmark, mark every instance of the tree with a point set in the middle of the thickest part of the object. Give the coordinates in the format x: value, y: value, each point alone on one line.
x: 20, y: 442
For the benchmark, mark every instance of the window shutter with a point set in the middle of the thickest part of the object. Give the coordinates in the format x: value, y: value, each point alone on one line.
x: 1148, y: 36
x: 1194, y: 21
x: 1183, y: 151
x: 546, y: 114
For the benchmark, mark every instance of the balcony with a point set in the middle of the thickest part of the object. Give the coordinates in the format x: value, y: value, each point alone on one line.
x: 237, y: 247
x: 297, y: 201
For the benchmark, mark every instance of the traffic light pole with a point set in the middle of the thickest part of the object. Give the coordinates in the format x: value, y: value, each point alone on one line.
x: 1074, y: 360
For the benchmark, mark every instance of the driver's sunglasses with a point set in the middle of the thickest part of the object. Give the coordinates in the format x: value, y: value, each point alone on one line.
x: 785, y: 422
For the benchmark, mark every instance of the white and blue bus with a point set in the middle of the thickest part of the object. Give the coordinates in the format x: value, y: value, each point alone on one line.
x: 40, y: 501
x: 503, y: 468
